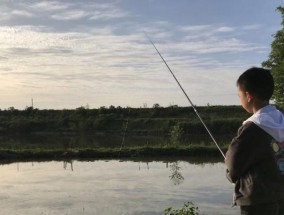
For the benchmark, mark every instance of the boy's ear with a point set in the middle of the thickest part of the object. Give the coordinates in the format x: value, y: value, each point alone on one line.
x: 249, y: 96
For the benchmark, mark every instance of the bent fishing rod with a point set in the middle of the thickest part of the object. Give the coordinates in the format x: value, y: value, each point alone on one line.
x: 207, y: 129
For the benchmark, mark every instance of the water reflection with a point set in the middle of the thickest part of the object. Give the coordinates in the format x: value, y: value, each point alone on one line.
x: 147, y: 165
x: 66, y: 162
x: 176, y: 175
x: 111, y: 187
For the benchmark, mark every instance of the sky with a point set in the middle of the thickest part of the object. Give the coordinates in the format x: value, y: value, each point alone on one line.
x: 67, y: 54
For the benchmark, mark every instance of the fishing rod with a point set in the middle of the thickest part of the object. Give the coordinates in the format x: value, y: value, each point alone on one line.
x: 207, y: 129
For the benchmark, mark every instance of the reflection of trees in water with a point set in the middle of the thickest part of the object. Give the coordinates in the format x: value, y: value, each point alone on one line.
x: 147, y: 164
x: 65, y: 164
x: 176, y: 175
x: 175, y: 170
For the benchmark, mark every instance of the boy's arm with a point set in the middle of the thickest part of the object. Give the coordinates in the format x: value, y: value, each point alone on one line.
x: 240, y: 154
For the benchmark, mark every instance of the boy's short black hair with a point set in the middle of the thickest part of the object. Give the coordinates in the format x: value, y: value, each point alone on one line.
x: 257, y: 81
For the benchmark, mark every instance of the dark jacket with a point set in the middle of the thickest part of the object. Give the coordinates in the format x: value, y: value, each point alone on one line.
x: 251, y: 166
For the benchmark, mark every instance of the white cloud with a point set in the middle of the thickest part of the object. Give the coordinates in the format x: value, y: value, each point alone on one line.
x: 195, y: 28
x: 50, y: 5
x: 225, y: 29
x: 108, y: 14
x: 206, y: 29
x: 22, y: 13
x: 211, y: 46
x: 70, y: 15
x: 224, y: 45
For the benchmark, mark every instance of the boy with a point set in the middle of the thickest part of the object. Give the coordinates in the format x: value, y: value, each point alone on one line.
x: 250, y: 159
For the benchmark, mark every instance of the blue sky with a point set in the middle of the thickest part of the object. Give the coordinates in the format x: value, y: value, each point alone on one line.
x: 66, y: 54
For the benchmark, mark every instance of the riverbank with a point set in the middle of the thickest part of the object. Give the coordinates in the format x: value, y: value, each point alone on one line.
x: 112, y: 153
x: 116, y: 132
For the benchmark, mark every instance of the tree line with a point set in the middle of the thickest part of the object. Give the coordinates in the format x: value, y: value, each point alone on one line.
x: 144, y: 121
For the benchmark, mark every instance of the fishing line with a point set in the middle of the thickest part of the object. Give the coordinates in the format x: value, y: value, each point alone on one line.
x: 207, y: 129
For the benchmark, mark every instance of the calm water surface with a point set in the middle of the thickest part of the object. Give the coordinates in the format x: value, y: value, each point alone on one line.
x: 113, y: 187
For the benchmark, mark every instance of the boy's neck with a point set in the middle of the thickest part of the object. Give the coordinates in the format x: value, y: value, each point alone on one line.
x: 257, y: 105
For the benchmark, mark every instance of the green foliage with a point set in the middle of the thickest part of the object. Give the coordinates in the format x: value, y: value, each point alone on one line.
x: 188, y: 209
x: 276, y: 64
x: 176, y: 134
x: 179, y: 123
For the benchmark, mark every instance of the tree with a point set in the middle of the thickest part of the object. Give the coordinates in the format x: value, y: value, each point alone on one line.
x: 176, y: 134
x: 276, y: 64
x: 156, y: 105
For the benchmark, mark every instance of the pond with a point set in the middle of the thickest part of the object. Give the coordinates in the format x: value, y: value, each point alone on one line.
x: 113, y: 187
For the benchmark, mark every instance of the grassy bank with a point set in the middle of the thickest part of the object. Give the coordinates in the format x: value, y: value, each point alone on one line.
x: 112, y: 153
x: 145, y: 132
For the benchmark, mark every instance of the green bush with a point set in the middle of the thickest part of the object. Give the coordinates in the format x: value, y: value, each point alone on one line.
x: 176, y: 135
x: 188, y: 209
